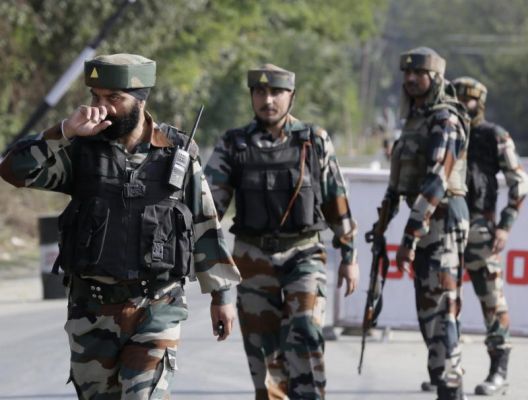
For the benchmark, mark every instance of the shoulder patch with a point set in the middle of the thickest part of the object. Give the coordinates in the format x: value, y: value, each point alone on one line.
x: 441, y: 113
x: 318, y: 131
x: 237, y: 138
x: 304, y: 134
x: 179, y: 138
x: 231, y: 133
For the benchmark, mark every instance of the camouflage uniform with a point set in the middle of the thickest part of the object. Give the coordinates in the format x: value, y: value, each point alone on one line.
x: 124, y: 333
x: 281, y: 299
x: 491, y: 150
x: 428, y: 169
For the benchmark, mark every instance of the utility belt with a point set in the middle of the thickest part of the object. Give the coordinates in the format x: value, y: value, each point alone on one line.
x: 91, y: 290
x: 273, y: 243
x: 453, y: 192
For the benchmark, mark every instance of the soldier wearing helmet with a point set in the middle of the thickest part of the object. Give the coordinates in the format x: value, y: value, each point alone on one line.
x: 128, y: 239
x: 491, y: 149
x: 284, y: 176
x: 428, y: 168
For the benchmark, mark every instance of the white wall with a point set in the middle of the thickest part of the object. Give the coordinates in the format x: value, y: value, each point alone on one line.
x: 365, y: 190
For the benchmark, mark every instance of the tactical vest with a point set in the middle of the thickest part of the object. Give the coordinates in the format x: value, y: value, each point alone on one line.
x: 409, y: 156
x: 483, y: 165
x: 124, y: 224
x: 265, y: 180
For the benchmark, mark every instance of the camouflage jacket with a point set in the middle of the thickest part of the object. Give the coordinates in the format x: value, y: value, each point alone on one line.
x: 335, y: 205
x: 446, y: 143
x: 44, y: 162
x: 503, y: 157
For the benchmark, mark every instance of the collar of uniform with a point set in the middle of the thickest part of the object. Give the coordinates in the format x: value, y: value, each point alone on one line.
x: 140, y: 150
x: 417, y: 110
x: 155, y: 136
x: 291, y: 124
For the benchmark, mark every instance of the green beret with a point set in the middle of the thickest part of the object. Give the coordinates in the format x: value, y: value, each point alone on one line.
x: 120, y: 71
x: 272, y: 76
x: 422, y: 58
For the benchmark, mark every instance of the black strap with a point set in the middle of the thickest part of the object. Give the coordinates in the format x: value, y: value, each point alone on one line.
x: 180, y: 139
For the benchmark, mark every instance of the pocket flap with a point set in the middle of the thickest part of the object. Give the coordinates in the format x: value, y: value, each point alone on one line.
x: 185, y: 221
x: 306, y: 179
x: 278, y: 180
x: 251, y: 179
x: 157, y: 222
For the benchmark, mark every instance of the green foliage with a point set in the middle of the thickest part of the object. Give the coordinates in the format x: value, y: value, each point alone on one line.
x: 485, y: 39
x: 203, y: 49
x: 344, y: 52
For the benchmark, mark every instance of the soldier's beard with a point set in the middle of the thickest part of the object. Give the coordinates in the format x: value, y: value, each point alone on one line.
x: 123, y: 125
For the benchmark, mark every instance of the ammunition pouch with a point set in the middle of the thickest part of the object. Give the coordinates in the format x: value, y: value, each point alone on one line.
x: 125, y: 225
x: 266, y: 181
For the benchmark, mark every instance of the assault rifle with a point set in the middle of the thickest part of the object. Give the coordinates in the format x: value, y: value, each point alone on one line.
x: 380, y: 261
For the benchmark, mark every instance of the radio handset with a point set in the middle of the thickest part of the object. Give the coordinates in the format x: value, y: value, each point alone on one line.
x: 180, y: 161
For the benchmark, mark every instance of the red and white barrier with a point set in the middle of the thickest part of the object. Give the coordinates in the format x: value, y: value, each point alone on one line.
x: 366, y: 189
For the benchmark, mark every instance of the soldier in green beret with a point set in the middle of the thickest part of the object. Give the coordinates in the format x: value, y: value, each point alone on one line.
x: 129, y: 239
x: 287, y: 185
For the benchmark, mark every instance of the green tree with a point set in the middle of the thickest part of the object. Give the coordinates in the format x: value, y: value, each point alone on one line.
x: 203, y: 49
x: 484, y: 39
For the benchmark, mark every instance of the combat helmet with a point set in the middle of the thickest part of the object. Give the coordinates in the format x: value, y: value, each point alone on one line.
x: 270, y: 75
x: 422, y: 58
x: 469, y: 87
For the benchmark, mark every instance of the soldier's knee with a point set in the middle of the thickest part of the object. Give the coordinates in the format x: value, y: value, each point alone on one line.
x: 447, y: 281
x: 304, y: 332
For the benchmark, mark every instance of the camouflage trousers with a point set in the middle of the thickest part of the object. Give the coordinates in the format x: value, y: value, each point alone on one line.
x: 125, y: 351
x: 486, y: 276
x: 438, y: 278
x: 281, y: 303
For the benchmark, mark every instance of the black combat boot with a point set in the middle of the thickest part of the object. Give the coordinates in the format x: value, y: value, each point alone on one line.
x: 430, y: 386
x: 496, y: 380
x: 448, y: 393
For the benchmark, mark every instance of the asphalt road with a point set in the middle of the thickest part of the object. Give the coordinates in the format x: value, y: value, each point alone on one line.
x: 34, y: 357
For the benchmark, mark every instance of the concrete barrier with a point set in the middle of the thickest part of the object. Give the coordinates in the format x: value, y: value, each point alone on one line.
x: 366, y: 189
